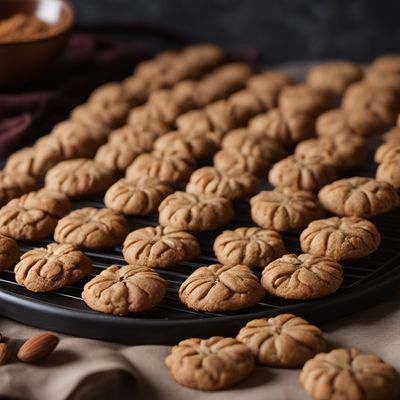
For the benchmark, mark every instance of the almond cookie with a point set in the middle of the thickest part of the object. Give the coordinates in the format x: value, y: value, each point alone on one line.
x: 389, y: 171
x: 137, y: 196
x: 34, y: 215
x: 13, y: 185
x: 297, y: 172
x: 284, y: 209
x: 92, y: 228
x: 344, y: 238
x: 195, y: 212
x: 49, y: 268
x: 173, y: 168
x: 219, y: 288
x: 119, y: 291
x: 349, y: 374
x: 302, y: 277
x: 9, y: 252
x: 231, y: 185
x: 387, y: 150
x: 343, y: 151
x: 282, y: 341
x: 286, y: 127
x: 159, y: 247
x: 334, y: 77
x: 358, y: 197
x: 81, y: 177
x: 254, y: 247
x: 210, y: 364
x: 304, y: 99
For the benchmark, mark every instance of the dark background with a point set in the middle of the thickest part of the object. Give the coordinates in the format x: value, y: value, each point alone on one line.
x: 281, y: 30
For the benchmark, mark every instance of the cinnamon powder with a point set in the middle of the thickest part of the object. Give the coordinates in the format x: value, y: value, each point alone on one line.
x: 21, y: 27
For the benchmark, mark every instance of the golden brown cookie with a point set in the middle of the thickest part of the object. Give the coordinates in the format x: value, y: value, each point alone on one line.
x: 117, y: 156
x: 80, y: 177
x: 282, y: 341
x: 159, y: 247
x: 284, y: 126
x: 254, y: 247
x: 284, y: 209
x: 210, y: 364
x: 343, y: 151
x: 131, y: 137
x: 219, y: 288
x: 344, y: 238
x: 92, y: 228
x: 304, y: 98
x: 334, y: 77
x: 195, y: 212
x: 171, y: 168
x: 349, y: 374
x: 358, y: 197
x: 389, y: 171
x: 9, y: 252
x: 44, y: 269
x: 136, y: 196
x: 302, y: 277
x: 393, y: 134
x: 34, y: 215
x: 297, y: 172
x: 13, y: 185
x: 387, y: 63
x: 383, y: 79
x: 119, y: 291
x: 387, y: 150
x: 231, y: 185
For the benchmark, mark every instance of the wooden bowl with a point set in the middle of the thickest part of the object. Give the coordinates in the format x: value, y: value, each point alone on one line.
x: 23, y: 60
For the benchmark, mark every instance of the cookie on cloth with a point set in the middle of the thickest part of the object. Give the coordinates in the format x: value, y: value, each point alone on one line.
x: 254, y: 247
x: 340, y: 238
x: 92, y: 228
x: 159, y: 247
x: 44, y: 269
x: 219, y: 288
x: 282, y: 341
x: 210, y: 364
x: 9, y: 252
x: 302, y: 277
x: 129, y: 289
x: 13, y: 185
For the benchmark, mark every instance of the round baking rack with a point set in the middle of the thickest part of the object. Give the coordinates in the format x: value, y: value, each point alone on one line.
x: 366, y: 282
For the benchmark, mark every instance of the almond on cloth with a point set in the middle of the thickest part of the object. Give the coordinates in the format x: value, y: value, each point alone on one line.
x: 37, y: 347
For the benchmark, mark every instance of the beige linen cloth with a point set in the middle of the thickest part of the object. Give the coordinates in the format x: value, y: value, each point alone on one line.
x: 83, y: 369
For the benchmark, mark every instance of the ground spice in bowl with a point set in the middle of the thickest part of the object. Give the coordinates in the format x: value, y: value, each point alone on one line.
x: 22, y: 27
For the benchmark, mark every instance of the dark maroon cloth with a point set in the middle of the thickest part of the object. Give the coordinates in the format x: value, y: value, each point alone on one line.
x: 31, y: 111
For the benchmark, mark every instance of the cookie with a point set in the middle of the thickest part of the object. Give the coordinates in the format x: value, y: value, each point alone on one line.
x: 220, y: 288
x: 387, y: 63
x: 389, y: 171
x: 9, y: 252
x: 388, y: 80
x: 334, y: 77
x: 44, y: 269
x: 358, y: 197
x: 13, y: 185
x: 173, y: 168
x: 34, y: 215
x: 344, y: 238
x: 387, y: 150
x: 254, y: 247
x: 304, y: 98
x: 231, y: 185
x: 92, y: 228
x: 349, y: 374
x: 136, y: 196
x: 284, y: 209
x: 129, y: 289
x: 159, y: 247
x: 393, y: 135
x: 343, y: 151
x: 195, y: 212
x: 210, y: 364
x: 297, y: 172
x: 284, y: 126
x: 117, y: 157
x: 80, y: 177
x: 282, y: 341
x: 302, y: 277
x: 131, y: 137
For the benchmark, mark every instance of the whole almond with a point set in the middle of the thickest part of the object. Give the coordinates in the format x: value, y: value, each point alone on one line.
x: 5, y: 353
x: 37, y: 347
